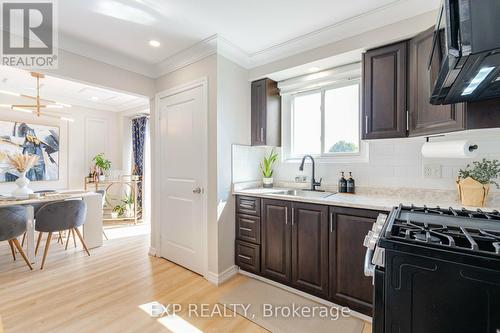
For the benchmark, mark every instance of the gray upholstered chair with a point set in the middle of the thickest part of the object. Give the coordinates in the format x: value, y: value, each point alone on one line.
x: 103, y: 193
x: 60, y: 216
x: 12, y: 225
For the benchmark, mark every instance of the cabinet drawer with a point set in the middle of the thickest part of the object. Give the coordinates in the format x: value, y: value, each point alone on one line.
x: 248, y: 205
x: 248, y: 228
x: 248, y: 256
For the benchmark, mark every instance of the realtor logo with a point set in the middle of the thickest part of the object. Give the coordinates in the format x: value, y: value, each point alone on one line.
x: 29, y: 34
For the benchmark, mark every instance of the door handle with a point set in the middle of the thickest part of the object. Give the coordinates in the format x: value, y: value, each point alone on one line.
x: 262, y: 134
x: 197, y: 190
x: 331, y: 222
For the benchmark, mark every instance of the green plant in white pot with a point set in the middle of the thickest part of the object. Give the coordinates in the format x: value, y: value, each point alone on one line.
x: 102, y: 164
x: 266, y: 167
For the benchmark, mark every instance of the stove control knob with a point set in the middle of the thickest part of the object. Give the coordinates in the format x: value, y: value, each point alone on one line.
x: 381, y: 218
x: 370, y: 242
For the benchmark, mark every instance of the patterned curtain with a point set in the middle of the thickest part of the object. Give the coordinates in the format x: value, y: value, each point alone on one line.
x: 138, y: 145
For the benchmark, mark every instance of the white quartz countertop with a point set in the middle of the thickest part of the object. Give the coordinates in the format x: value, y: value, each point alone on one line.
x: 364, y: 201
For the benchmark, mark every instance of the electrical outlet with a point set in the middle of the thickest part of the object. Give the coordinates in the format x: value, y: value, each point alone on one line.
x: 432, y: 171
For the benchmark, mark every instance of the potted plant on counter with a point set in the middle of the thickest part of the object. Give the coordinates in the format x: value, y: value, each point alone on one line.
x: 266, y: 167
x: 474, y: 181
x: 102, y: 164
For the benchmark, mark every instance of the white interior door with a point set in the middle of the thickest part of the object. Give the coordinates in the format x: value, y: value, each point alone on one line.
x: 183, y: 169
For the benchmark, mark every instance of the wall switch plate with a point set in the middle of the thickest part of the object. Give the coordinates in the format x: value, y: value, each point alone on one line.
x: 432, y: 171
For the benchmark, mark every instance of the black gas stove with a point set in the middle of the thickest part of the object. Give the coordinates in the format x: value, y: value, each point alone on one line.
x: 436, y: 270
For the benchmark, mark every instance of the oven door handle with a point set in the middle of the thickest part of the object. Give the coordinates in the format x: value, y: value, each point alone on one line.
x: 369, y: 268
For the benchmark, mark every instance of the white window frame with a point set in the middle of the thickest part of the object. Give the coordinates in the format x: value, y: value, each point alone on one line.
x: 287, y: 138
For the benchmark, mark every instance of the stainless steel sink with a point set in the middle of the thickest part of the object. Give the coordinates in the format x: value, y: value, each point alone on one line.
x: 303, y: 193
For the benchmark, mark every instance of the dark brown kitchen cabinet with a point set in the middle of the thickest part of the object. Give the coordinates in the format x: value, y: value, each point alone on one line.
x: 265, y: 113
x: 348, y: 284
x: 425, y: 118
x: 310, y: 248
x: 384, y: 92
x: 276, y: 240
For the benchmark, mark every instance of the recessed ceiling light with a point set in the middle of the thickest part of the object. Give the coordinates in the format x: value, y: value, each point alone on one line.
x: 313, y: 69
x: 154, y: 43
x: 94, y: 98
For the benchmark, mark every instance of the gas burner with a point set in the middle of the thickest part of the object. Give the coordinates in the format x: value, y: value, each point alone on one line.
x: 463, y: 230
x: 427, y: 238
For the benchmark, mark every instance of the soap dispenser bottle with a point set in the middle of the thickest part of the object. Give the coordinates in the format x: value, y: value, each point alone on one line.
x: 350, y: 184
x: 342, y: 184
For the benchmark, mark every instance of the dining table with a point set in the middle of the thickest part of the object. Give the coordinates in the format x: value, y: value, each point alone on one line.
x: 92, y: 228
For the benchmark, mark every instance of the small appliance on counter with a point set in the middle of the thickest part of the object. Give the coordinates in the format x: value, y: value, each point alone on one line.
x: 435, y: 270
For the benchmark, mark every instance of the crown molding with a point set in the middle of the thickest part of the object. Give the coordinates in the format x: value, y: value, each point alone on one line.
x: 107, y: 56
x: 188, y: 56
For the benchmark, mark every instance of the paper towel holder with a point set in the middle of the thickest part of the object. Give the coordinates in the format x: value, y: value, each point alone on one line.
x: 471, y: 147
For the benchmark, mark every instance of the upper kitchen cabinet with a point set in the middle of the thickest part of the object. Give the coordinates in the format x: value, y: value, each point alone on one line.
x: 266, y: 113
x: 426, y: 118
x: 384, y: 92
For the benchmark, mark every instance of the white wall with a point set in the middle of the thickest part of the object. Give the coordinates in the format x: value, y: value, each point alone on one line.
x: 233, y: 127
x: 75, y: 145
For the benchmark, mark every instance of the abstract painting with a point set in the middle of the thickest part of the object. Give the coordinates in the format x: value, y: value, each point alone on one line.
x: 32, y: 139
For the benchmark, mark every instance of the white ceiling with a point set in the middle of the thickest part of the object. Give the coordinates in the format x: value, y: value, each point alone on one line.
x: 68, y: 92
x: 254, y: 27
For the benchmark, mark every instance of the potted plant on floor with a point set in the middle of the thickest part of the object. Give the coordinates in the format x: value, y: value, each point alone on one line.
x: 102, y: 164
x: 474, y: 181
x: 266, y: 167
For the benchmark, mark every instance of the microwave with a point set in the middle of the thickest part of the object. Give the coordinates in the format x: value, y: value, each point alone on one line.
x: 466, y: 49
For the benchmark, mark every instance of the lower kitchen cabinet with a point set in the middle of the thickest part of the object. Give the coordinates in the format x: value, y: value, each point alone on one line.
x: 314, y: 248
x: 310, y: 248
x: 276, y: 240
x: 348, y: 284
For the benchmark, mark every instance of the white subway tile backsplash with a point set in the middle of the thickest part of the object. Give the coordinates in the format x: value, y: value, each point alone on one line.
x: 397, y: 163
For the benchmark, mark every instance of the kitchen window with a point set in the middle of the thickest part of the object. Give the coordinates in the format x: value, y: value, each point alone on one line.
x: 324, y: 122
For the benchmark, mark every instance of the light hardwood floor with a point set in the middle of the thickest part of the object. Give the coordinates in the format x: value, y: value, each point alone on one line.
x: 102, y: 293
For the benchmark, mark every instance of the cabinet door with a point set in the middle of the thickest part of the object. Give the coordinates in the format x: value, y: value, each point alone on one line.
x: 348, y: 284
x: 426, y: 118
x: 384, y: 92
x: 276, y: 240
x: 258, y: 111
x: 310, y: 248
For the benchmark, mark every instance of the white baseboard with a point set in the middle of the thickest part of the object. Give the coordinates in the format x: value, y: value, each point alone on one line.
x: 218, y: 279
x: 152, y: 251
x: 303, y: 294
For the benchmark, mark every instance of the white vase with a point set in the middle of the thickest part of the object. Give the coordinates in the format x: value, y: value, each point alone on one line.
x: 268, y: 182
x: 102, y: 178
x: 22, y: 190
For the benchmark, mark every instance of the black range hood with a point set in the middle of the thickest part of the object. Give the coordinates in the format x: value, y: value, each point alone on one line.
x: 467, y: 48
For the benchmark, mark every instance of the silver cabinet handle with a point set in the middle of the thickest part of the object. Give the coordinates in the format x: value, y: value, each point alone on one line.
x: 293, y: 215
x: 245, y: 229
x: 244, y: 257
x: 366, y: 124
x: 331, y: 222
x: 286, y: 215
x: 197, y: 190
x: 262, y: 134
